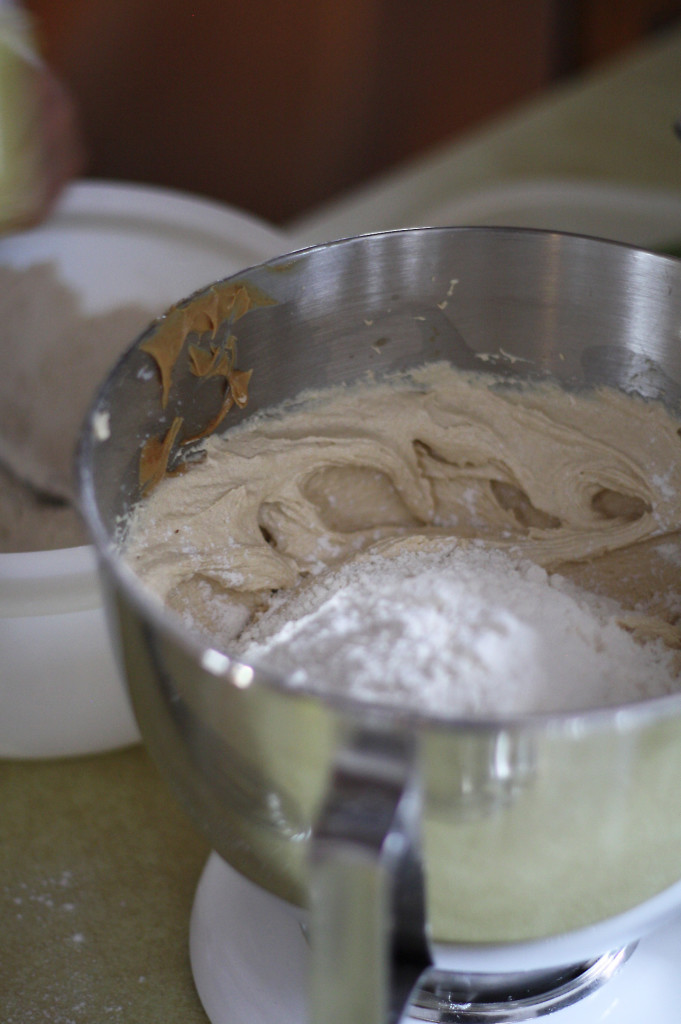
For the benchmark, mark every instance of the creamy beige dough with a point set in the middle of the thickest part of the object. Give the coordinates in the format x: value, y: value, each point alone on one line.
x: 584, y: 484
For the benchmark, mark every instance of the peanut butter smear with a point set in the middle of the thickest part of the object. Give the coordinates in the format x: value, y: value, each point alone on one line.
x: 199, y: 315
x: 585, y: 485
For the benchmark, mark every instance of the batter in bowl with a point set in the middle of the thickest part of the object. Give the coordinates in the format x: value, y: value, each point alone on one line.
x: 517, y: 547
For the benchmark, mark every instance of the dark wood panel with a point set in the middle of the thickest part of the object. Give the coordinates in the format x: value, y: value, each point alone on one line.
x: 607, y: 28
x: 275, y: 107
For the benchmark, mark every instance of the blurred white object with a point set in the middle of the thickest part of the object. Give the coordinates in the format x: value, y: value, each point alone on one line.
x: 60, y: 689
x: 646, y: 217
x: 642, y: 217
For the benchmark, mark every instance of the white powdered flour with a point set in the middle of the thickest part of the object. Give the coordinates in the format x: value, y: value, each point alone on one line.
x: 456, y: 628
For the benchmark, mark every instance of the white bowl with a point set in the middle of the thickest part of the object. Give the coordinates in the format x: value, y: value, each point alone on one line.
x: 60, y: 689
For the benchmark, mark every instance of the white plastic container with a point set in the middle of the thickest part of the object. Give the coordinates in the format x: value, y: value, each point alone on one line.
x: 60, y: 689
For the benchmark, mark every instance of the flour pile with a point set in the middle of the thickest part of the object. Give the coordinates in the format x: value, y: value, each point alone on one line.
x: 456, y: 628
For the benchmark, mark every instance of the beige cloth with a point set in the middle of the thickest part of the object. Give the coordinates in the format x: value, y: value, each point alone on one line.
x: 53, y: 358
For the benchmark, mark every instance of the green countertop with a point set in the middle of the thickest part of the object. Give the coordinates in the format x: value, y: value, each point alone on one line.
x: 98, y: 871
x: 98, y: 866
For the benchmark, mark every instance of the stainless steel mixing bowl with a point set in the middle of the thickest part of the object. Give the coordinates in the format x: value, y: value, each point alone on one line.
x: 543, y: 839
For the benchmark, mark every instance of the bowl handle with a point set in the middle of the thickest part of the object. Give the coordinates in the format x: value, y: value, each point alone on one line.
x: 367, y: 917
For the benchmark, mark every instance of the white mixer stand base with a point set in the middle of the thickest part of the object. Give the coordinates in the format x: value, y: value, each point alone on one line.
x: 249, y: 960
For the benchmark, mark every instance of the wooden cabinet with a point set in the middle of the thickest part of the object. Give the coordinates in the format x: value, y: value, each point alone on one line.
x: 606, y: 27
x: 275, y: 107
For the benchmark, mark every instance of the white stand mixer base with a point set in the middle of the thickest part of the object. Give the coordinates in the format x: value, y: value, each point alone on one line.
x: 249, y: 960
